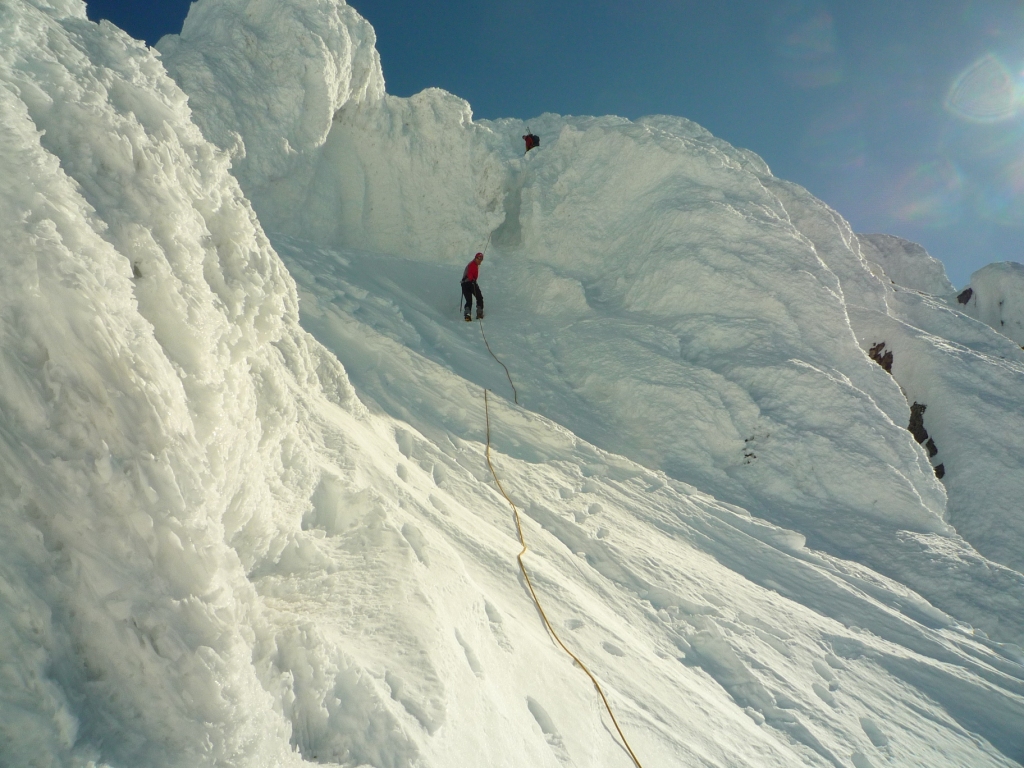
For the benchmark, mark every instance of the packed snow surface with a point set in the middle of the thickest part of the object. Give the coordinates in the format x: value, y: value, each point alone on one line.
x: 245, y: 513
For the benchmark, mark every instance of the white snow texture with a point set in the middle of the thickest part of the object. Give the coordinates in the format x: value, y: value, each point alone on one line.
x: 769, y: 470
x: 997, y: 298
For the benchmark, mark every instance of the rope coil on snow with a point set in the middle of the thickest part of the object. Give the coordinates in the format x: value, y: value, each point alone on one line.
x: 529, y: 583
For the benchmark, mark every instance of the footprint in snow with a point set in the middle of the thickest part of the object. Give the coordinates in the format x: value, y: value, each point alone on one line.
x: 404, y: 441
x: 614, y: 650
x: 873, y: 732
x: 493, y: 615
x: 439, y: 474
x: 547, y: 727
x: 824, y: 694
x: 435, y: 502
x: 430, y: 713
x: 826, y: 674
x: 834, y: 662
x: 471, y: 657
x: 414, y: 536
x: 495, y: 621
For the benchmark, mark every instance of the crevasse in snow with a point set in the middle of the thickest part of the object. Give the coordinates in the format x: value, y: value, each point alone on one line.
x: 222, y: 546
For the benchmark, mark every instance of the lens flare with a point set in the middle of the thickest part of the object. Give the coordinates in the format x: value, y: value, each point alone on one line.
x: 931, y: 194
x: 985, y: 92
x: 836, y: 140
x: 804, y: 41
x: 1002, y: 200
x: 1014, y: 176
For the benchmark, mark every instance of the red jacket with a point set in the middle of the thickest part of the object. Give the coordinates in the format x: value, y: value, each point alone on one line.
x: 472, y: 271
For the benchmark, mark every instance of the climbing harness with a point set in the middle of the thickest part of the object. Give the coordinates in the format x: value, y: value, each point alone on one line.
x: 526, y: 575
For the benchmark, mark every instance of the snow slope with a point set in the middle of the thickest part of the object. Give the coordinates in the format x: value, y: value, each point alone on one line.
x: 220, y: 549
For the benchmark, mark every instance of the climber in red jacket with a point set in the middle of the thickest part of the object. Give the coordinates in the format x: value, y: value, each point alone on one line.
x: 471, y: 289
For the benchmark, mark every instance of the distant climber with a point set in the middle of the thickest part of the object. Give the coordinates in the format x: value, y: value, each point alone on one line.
x: 471, y: 289
x: 532, y: 140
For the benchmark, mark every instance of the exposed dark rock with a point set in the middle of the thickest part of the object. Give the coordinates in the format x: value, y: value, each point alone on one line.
x: 965, y: 296
x: 880, y: 355
x: 916, y: 428
x: 916, y: 425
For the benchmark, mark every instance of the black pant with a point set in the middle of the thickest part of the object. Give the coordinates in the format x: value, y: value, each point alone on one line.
x: 469, y: 290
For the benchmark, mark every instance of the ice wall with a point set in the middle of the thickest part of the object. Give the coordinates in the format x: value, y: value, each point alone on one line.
x: 429, y: 182
x: 265, y: 79
x: 150, y: 366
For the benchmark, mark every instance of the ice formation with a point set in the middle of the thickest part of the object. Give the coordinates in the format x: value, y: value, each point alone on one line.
x: 905, y: 263
x: 996, y: 297
x: 234, y: 533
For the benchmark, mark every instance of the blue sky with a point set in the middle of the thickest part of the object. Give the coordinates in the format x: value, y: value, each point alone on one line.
x: 907, y: 117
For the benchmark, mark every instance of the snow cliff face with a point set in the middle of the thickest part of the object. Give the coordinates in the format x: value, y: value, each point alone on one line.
x: 265, y: 79
x: 152, y: 375
x: 213, y: 553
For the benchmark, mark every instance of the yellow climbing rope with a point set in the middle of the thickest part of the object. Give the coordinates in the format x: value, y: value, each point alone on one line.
x: 529, y: 583
x: 515, y: 394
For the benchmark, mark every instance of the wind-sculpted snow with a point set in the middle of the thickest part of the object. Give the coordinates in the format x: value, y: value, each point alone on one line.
x: 905, y: 263
x: 265, y: 79
x: 150, y: 391
x: 216, y: 550
x: 996, y: 297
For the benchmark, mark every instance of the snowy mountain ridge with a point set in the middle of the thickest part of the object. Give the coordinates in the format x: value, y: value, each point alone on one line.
x: 231, y: 539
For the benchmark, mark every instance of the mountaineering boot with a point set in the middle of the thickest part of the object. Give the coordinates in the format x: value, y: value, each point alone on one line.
x: 467, y: 318
x: 479, y: 314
